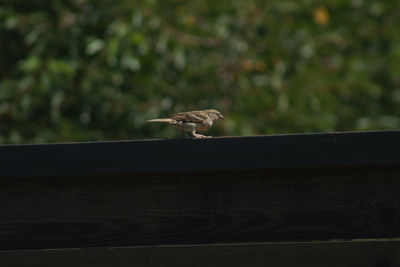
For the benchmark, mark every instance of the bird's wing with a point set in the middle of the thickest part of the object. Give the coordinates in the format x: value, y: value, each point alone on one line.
x: 191, y: 116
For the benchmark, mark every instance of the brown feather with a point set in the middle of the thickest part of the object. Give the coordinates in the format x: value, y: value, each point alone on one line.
x: 166, y: 120
x: 196, y: 116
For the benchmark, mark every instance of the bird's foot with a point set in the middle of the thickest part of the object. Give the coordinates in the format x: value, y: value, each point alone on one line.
x: 200, y: 136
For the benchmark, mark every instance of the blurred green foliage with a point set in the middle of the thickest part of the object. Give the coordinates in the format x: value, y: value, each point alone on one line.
x: 79, y: 70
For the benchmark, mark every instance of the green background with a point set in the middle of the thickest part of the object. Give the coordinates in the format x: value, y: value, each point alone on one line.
x: 85, y: 70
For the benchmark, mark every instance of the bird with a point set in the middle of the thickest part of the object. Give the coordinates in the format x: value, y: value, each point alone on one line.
x: 191, y: 122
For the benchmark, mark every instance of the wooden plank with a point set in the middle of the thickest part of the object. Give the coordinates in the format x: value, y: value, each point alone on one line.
x: 315, y: 254
x: 200, y: 207
x: 211, y: 154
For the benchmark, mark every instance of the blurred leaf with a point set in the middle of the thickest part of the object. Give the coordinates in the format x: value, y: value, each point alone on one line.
x: 93, y: 70
x: 94, y: 46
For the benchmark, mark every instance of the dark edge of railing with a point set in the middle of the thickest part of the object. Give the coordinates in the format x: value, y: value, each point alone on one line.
x: 211, y: 154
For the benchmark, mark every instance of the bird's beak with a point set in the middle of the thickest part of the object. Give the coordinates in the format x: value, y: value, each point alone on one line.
x: 221, y: 117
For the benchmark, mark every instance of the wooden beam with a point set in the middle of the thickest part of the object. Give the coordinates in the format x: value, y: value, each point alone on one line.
x: 211, y: 154
x: 219, y: 190
x: 315, y: 254
x: 200, y: 208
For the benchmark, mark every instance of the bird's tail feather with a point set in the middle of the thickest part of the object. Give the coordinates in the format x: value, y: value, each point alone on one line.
x: 166, y: 120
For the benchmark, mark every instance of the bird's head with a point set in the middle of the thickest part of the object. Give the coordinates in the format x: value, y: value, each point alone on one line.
x: 214, y: 114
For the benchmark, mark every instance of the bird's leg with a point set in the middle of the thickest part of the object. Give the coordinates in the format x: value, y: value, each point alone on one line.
x: 200, y: 136
x: 195, y: 135
x: 190, y: 131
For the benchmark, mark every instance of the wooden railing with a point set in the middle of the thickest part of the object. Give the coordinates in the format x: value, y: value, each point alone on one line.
x: 287, y: 200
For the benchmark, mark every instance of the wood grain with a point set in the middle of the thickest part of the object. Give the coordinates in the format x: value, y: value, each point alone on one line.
x: 315, y: 254
x: 301, y: 204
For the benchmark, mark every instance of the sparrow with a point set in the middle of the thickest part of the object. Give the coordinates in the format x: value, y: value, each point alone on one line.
x: 192, y: 121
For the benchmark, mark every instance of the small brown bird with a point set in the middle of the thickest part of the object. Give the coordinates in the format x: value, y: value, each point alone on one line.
x: 192, y: 121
